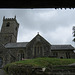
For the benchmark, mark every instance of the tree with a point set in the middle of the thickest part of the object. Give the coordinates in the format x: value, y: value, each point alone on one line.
x: 73, y: 33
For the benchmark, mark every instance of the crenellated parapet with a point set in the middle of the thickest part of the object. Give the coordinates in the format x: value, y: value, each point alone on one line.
x: 10, y: 19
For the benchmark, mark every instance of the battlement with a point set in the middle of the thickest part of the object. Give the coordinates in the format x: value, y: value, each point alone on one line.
x: 10, y: 19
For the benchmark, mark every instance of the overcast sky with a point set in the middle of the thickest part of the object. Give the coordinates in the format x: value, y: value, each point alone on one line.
x: 55, y: 25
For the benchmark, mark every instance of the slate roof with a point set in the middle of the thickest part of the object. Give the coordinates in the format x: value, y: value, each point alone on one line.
x: 16, y: 45
x: 62, y: 47
x: 53, y: 47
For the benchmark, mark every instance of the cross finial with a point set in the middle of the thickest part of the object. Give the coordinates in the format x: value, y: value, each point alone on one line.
x: 37, y: 32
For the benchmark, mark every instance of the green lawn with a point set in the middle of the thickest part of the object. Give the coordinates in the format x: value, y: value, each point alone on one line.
x: 51, y: 63
x: 45, y: 62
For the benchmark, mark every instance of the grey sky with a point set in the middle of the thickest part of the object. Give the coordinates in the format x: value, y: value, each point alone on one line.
x: 55, y: 25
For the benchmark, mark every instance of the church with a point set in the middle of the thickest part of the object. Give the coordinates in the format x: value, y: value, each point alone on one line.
x: 11, y: 50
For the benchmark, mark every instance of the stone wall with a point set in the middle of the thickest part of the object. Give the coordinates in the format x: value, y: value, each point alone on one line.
x: 62, y: 54
x: 29, y: 70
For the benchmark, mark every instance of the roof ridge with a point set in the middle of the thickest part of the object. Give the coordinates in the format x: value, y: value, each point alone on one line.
x: 62, y: 44
x: 21, y: 42
x: 17, y: 42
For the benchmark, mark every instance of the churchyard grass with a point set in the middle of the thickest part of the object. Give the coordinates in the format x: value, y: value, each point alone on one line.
x: 44, y: 62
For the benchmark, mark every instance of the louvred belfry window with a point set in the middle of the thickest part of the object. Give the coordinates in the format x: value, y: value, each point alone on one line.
x: 8, y: 24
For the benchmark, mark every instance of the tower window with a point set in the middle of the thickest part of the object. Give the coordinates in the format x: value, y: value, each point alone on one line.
x: 16, y: 28
x: 8, y: 24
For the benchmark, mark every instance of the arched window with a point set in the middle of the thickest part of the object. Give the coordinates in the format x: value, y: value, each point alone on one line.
x: 8, y: 24
x: 67, y: 55
x: 38, y: 50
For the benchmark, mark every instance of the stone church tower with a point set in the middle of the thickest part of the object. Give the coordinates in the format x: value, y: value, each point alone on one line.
x: 9, y: 30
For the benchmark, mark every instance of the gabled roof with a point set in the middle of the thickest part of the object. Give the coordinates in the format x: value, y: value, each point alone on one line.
x: 62, y: 47
x: 39, y: 38
x: 53, y: 47
x: 16, y: 45
x: 24, y: 44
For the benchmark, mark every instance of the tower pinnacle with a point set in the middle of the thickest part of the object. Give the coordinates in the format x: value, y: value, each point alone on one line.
x: 15, y: 17
x: 4, y: 17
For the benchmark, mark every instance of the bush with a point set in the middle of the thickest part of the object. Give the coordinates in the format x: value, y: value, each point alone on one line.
x: 25, y: 66
x: 18, y: 69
